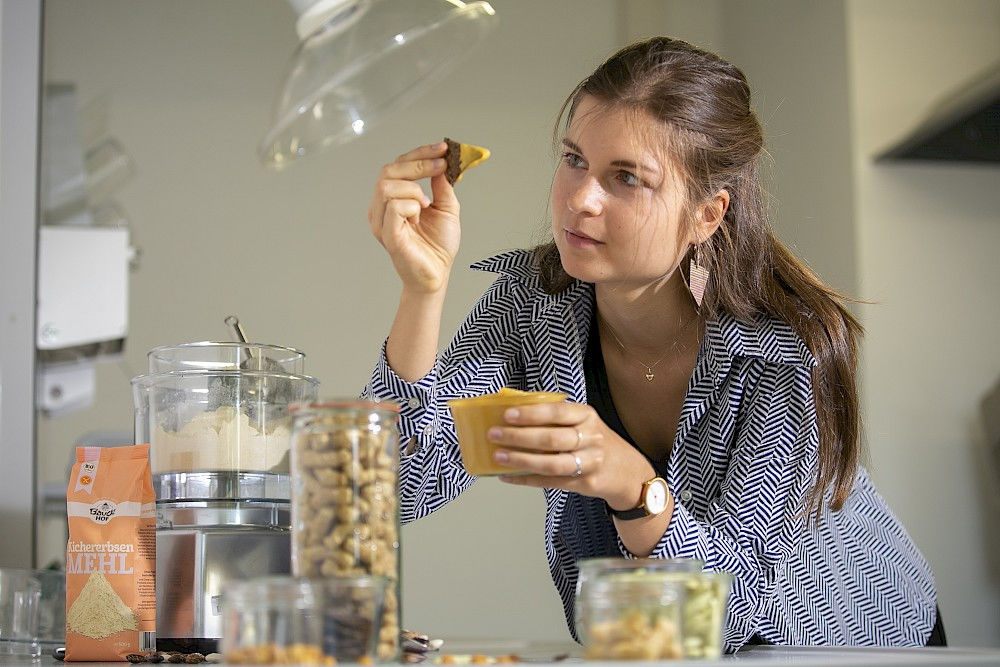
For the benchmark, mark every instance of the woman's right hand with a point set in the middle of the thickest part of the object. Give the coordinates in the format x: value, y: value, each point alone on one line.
x: 420, y: 235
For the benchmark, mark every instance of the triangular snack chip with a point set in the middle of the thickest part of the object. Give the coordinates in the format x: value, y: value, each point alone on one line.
x: 461, y: 157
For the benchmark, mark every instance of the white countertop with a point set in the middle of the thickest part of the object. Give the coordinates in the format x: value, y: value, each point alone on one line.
x: 864, y: 656
x: 544, y: 653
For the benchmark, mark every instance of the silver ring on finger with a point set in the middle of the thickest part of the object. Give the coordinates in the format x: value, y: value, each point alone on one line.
x: 579, y: 466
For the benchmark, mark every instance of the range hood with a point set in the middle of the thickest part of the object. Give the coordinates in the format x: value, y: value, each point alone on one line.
x: 963, y: 127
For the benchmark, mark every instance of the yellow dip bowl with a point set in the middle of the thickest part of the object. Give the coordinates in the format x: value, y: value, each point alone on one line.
x: 475, y: 416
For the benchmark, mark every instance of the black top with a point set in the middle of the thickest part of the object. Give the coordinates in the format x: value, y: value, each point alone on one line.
x: 599, y: 393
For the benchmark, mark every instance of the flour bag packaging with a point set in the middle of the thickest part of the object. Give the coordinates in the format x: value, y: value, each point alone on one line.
x: 111, y: 555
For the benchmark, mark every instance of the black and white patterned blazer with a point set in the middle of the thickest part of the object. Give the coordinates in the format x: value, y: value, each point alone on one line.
x: 744, y: 456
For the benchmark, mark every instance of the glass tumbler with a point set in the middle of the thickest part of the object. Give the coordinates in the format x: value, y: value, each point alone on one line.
x: 345, y: 499
x: 272, y: 620
x: 20, y: 593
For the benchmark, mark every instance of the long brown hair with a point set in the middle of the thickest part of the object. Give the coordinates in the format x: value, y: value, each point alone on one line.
x: 715, y: 141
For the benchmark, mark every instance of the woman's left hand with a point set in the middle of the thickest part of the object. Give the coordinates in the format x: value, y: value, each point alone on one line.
x: 568, y: 446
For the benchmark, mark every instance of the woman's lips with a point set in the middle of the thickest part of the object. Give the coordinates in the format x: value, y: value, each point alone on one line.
x: 580, y: 240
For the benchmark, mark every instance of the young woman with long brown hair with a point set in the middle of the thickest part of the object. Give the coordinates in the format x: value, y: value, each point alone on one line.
x: 713, y: 407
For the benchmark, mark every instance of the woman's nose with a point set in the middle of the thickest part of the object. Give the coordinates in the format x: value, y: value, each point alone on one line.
x: 586, y: 197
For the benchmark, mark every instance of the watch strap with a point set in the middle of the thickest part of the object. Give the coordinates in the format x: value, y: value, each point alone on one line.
x: 634, y: 513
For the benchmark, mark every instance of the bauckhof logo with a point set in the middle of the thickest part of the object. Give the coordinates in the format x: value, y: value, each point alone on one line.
x: 85, y: 478
x: 102, y: 511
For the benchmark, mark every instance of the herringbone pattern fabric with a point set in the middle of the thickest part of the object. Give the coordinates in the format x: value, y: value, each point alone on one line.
x: 744, y: 457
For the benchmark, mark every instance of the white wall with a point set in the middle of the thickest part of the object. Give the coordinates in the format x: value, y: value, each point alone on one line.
x: 793, y: 52
x: 786, y: 48
x: 928, y: 237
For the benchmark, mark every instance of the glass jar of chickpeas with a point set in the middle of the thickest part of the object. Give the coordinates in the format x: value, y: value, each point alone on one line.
x: 702, y: 596
x: 345, y: 499
x: 626, y: 616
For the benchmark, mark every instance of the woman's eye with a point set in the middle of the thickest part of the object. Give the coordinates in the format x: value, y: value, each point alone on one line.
x: 572, y: 160
x: 628, y: 178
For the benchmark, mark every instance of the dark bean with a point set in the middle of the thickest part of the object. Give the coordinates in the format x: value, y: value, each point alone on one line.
x: 135, y: 658
x: 194, y: 658
x: 155, y: 657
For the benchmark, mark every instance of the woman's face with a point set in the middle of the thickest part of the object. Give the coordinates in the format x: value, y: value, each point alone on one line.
x: 617, y: 205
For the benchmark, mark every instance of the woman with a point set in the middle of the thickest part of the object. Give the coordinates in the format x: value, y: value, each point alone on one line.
x: 713, y: 407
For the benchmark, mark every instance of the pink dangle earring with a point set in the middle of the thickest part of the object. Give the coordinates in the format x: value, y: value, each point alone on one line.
x: 697, y: 276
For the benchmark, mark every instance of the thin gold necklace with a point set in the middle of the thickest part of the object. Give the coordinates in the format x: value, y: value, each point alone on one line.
x: 649, y: 374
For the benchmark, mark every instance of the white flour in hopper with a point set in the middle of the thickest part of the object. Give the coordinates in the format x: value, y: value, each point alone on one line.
x: 223, y: 439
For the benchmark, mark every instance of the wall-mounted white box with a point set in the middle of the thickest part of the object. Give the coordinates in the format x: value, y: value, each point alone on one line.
x: 82, y: 285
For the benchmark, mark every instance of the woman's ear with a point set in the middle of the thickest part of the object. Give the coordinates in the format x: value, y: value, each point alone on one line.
x: 711, y: 213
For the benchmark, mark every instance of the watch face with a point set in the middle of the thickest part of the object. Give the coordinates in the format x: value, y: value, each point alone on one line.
x: 656, y: 496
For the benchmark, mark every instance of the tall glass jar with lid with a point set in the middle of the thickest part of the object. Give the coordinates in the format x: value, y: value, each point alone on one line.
x: 345, y: 498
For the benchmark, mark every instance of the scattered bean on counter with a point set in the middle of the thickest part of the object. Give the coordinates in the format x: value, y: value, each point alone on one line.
x: 347, y: 480
x: 476, y: 659
x: 416, y: 646
x: 174, y: 657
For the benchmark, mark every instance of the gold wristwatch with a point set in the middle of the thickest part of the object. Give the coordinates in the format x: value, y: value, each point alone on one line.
x: 652, y: 501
